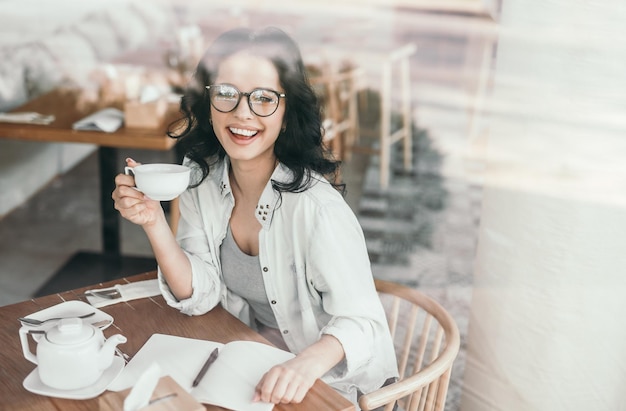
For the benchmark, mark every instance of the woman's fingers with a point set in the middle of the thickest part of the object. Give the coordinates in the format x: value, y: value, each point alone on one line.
x: 130, y: 191
x: 125, y: 196
x: 301, y: 391
x: 289, y: 390
x: 124, y: 180
x: 126, y: 202
x: 265, y: 387
x: 277, y: 394
x: 131, y: 163
x: 282, y: 384
x: 138, y: 211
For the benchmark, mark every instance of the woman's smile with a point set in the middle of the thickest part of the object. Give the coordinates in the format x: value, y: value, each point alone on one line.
x: 241, y: 132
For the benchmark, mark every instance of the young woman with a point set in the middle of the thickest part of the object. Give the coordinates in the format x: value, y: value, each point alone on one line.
x: 261, y: 230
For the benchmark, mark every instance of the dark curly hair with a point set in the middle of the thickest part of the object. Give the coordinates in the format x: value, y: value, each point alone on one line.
x: 299, y: 146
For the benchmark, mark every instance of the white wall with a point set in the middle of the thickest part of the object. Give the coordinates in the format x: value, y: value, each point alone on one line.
x: 547, y: 328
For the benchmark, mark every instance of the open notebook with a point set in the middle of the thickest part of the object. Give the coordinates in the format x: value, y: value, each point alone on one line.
x: 229, y: 382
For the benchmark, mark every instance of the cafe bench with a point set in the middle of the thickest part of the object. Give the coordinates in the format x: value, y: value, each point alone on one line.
x: 44, y: 45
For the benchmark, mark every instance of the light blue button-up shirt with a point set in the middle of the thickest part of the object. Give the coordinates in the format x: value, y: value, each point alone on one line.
x: 315, y: 268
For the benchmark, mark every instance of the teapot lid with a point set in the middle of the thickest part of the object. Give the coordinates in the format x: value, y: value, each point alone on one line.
x: 69, y: 331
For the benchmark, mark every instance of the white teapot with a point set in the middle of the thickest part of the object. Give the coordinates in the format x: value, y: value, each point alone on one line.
x: 72, y: 354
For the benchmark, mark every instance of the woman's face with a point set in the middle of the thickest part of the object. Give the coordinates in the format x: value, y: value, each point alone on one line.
x: 244, y: 135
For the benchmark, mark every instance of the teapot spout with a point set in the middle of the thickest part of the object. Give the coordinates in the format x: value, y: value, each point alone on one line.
x: 105, y: 357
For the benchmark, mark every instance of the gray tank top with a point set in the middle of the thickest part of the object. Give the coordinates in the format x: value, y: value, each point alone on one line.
x: 242, y: 275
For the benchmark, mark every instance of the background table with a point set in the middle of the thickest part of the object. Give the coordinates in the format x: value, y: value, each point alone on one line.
x: 68, y: 106
x: 137, y: 320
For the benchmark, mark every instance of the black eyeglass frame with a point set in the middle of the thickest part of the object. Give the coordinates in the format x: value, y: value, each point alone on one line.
x: 247, y: 95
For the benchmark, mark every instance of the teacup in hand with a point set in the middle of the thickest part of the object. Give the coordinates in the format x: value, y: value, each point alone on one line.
x: 162, y: 182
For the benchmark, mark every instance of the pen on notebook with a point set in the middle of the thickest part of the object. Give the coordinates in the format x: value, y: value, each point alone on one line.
x: 205, y: 368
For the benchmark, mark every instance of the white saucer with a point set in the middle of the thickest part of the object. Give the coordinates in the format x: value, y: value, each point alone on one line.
x: 33, y: 384
x: 72, y: 308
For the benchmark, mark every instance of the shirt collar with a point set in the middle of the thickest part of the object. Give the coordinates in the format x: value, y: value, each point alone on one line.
x: 221, y: 177
x: 270, y: 198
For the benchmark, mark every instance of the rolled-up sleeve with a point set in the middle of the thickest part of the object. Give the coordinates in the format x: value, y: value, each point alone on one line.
x: 342, y: 274
x: 192, y: 238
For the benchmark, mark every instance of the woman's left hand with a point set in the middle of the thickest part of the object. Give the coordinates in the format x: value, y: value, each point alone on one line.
x: 287, y: 382
x: 290, y: 381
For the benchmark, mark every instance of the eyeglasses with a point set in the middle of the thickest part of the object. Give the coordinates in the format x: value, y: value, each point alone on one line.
x: 262, y: 101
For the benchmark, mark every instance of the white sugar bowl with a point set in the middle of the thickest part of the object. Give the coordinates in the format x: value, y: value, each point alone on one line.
x: 71, y: 355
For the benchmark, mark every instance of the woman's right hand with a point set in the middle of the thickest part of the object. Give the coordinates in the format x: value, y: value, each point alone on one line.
x: 132, y: 204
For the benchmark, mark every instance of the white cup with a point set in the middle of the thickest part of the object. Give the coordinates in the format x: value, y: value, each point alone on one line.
x: 162, y: 182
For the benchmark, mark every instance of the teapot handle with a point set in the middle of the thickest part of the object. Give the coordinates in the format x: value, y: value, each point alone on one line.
x: 24, y: 331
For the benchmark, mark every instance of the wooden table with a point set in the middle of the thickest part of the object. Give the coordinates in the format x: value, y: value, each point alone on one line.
x: 68, y: 107
x: 137, y: 320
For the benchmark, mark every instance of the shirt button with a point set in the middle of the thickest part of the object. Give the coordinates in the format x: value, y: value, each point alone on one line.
x: 273, y: 301
x: 265, y: 269
x: 285, y: 331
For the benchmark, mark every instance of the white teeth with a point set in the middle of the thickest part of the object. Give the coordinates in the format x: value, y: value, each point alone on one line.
x: 240, y: 131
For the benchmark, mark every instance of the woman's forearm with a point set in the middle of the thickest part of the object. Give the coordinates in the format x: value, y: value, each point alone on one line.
x: 323, y: 354
x: 172, y: 261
